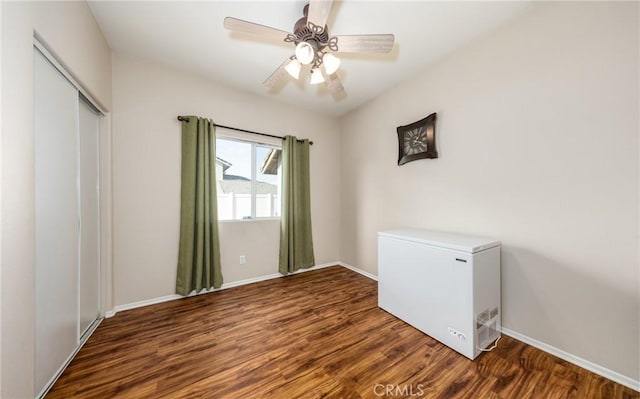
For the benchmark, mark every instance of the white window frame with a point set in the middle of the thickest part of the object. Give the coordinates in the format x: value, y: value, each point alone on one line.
x: 254, y: 144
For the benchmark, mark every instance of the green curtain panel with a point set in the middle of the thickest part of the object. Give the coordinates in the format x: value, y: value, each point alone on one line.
x: 296, y: 242
x: 199, y: 254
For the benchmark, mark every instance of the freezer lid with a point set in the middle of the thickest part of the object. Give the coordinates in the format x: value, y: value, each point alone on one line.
x: 458, y: 242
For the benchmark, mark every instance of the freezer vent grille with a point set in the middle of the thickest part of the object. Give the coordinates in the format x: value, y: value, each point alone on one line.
x: 486, y: 326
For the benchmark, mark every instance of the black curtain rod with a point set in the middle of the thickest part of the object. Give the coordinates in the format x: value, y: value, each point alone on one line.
x: 186, y: 119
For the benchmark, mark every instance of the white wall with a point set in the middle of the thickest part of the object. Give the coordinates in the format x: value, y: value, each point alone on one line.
x: 71, y: 32
x: 1, y: 201
x: 538, y: 144
x: 146, y: 155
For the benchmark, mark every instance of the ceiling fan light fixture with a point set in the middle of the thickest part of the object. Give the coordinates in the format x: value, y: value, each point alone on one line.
x: 331, y: 63
x: 316, y: 76
x: 305, y: 53
x: 313, y: 45
x: 293, y: 68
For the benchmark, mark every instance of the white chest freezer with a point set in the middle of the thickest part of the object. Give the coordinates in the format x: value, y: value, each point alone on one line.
x: 445, y: 285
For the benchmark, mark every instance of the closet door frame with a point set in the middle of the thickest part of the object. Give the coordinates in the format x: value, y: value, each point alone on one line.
x: 105, y: 299
x: 86, y: 223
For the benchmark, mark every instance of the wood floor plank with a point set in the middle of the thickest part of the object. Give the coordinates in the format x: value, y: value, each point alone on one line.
x: 317, y: 334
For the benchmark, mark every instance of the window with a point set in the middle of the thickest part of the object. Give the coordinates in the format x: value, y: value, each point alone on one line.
x: 248, y: 179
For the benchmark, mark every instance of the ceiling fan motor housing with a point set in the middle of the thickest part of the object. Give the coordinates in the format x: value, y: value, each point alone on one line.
x: 306, y: 32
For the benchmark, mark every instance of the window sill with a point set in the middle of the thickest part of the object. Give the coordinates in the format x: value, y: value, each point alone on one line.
x: 248, y: 220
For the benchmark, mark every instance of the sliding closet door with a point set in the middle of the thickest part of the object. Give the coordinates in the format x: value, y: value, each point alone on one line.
x: 89, y: 217
x: 56, y: 218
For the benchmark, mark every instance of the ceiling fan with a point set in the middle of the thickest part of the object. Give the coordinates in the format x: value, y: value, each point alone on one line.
x: 313, y: 45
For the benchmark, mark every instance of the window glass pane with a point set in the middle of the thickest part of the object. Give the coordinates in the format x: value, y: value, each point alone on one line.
x: 233, y: 174
x: 267, y: 181
x: 248, y: 179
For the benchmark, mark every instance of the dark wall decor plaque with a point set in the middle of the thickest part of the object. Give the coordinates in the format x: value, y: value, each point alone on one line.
x: 417, y: 140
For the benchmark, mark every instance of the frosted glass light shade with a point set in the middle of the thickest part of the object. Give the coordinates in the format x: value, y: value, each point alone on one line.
x: 293, y: 67
x: 331, y: 63
x: 305, y: 53
x: 316, y: 76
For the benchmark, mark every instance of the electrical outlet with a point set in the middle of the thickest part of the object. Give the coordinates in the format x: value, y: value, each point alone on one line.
x: 243, y: 260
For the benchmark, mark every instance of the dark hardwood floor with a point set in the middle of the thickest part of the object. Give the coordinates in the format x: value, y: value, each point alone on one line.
x: 310, y: 335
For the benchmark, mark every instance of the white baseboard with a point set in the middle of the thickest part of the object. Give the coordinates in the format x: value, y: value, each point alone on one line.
x: 316, y: 267
x: 171, y: 297
x: 355, y: 269
x: 247, y: 281
x: 271, y: 276
x: 578, y: 361
x: 140, y: 304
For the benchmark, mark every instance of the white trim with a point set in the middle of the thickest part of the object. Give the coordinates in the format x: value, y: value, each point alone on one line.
x: 247, y: 281
x: 1, y: 196
x: 234, y: 135
x: 106, y: 220
x: 79, y: 216
x: 60, y: 66
x: 145, y: 302
x: 254, y: 183
x: 73, y: 354
x: 360, y: 271
x: 315, y: 267
x: 260, y: 219
x: 166, y: 298
x: 578, y: 361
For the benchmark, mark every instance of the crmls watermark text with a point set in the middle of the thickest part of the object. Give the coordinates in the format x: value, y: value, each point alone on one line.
x: 405, y: 390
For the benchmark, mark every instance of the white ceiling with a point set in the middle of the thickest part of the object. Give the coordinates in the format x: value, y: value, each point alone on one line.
x: 190, y: 36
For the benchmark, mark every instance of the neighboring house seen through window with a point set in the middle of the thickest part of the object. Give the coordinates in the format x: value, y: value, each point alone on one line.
x: 248, y: 178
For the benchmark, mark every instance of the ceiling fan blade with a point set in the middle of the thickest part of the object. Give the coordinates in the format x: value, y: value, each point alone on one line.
x: 277, y: 75
x: 239, y: 25
x: 334, y: 84
x: 332, y: 81
x: 319, y: 12
x: 365, y: 43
